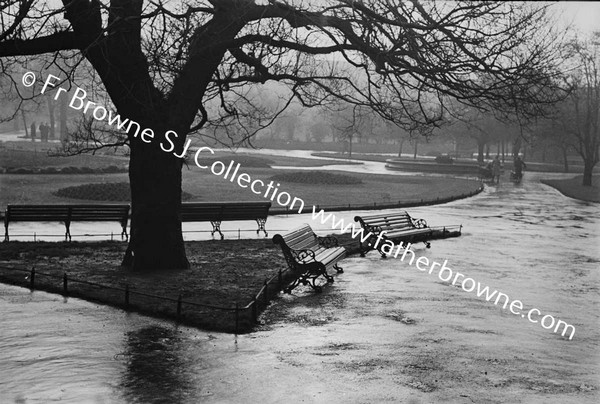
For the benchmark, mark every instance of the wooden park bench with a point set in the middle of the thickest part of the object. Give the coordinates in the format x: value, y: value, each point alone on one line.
x: 67, y: 213
x: 217, y: 212
x: 398, y: 226
x: 309, y: 256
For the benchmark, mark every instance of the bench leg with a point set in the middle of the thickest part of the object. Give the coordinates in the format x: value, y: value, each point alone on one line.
x: 68, y: 231
x: 261, y: 226
x: 320, y: 270
x: 6, y: 233
x: 362, y: 250
x: 311, y: 272
x: 338, y: 268
x: 292, y: 285
x: 216, y: 229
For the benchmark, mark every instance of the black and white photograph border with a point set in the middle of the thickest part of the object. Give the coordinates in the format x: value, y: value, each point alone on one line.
x: 319, y: 201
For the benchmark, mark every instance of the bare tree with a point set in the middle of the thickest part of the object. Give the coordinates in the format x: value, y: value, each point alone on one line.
x: 581, y: 110
x: 180, y: 65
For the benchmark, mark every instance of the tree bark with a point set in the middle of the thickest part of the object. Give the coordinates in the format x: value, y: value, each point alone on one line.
x: 350, y: 147
x: 24, y: 123
x: 416, y: 148
x: 587, y: 173
x: 156, y: 239
x: 516, y: 147
x: 480, y: 151
x: 565, y: 159
x: 63, y: 119
x: 51, y: 107
x: 400, y: 148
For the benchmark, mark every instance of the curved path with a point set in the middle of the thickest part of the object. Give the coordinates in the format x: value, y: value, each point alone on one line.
x: 383, y: 332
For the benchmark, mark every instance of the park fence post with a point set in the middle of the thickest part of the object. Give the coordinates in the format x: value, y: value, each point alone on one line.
x: 32, y: 279
x: 65, y: 284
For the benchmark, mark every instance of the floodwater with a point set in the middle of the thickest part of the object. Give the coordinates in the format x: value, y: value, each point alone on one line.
x: 382, y: 332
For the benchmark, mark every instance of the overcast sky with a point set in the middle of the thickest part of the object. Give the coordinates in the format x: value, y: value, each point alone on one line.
x: 585, y: 15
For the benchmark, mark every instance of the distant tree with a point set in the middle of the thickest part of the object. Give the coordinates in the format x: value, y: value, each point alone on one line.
x: 581, y: 110
x: 181, y: 65
x: 319, y: 131
x: 549, y: 134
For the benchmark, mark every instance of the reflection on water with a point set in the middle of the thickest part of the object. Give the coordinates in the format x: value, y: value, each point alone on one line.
x: 155, y: 366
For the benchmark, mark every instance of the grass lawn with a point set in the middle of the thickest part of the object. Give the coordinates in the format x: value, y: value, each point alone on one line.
x: 19, y: 158
x: 205, y: 186
x: 374, y: 188
x: 572, y: 188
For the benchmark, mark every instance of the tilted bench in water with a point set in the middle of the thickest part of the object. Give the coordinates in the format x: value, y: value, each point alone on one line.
x: 400, y: 226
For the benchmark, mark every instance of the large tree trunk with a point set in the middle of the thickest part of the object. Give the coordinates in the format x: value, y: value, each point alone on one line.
x: 63, y: 119
x: 51, y: 107
x: 24, y: 123
x: 516, y: 146
x: 400, y: 148
x: 156, y: 239
x: 480, y: 150
x: 565, y: 159
x: 587, y: 173
x: 416, y: 149
x: 350, y: 138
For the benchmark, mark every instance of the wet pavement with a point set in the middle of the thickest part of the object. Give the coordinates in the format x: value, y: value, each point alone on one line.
x: 382, y: 332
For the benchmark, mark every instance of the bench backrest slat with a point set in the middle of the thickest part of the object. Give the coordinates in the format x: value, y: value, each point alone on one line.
x: 301, y: 238
x: 222, y: 211
x: 387, y: 221
x: 108, y: 212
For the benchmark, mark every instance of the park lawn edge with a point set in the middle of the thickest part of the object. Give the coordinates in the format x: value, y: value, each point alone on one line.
x: 573, y: 188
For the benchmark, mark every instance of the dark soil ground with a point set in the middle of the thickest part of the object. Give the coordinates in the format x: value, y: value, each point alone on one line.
x: 234, y: 272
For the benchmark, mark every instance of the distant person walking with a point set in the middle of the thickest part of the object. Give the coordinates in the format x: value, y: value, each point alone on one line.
x: 44, y: 132
x: 496, y: 167
x: 33, y: 132
x: 519, y: 165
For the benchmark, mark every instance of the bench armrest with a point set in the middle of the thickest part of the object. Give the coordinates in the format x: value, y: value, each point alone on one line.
x: 327, y: 241
x: 419, y: 223
x: 303, y: 256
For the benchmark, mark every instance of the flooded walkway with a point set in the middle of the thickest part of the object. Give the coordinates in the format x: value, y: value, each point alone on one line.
x: 383, y: 332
